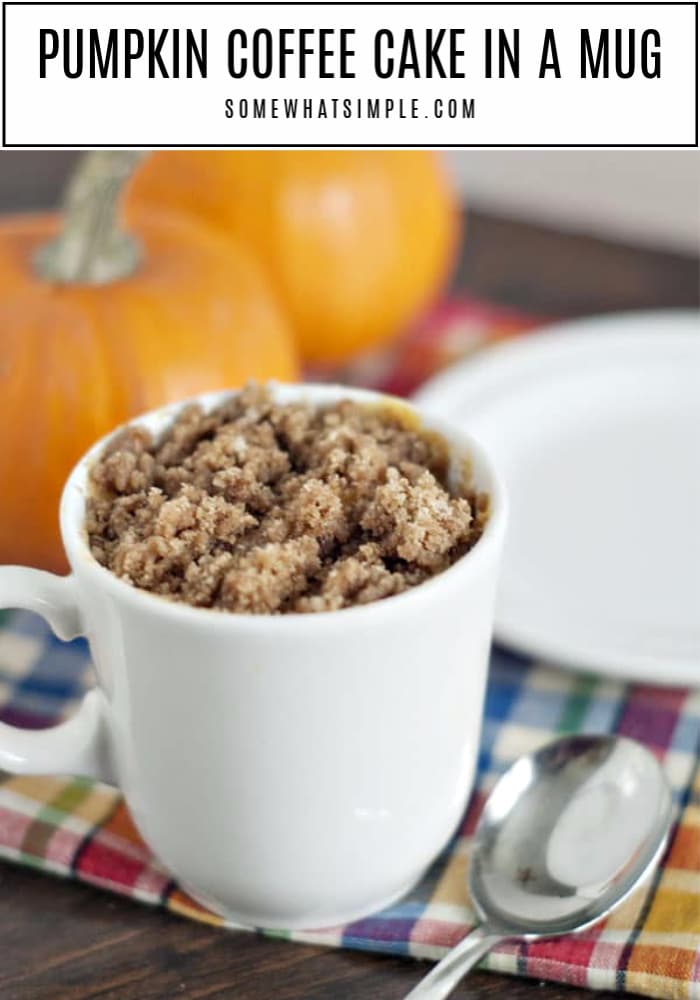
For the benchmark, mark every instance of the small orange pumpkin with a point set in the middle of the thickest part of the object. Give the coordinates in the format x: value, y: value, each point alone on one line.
x: 356, y: 242
x: 80, y: 354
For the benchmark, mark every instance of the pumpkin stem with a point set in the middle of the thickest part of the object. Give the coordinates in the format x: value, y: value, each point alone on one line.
x: 91, y: 248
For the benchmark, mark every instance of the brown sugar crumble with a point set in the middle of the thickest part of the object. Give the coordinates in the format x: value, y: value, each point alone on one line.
x: 267, y: 508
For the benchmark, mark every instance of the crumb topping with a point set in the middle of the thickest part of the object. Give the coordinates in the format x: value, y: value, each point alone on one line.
x: 267, y: 508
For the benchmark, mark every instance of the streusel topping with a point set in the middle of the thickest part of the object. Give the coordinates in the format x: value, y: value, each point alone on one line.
x: 267, y: 508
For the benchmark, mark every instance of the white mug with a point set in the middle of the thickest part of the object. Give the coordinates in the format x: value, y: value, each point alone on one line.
x: 290, y: 771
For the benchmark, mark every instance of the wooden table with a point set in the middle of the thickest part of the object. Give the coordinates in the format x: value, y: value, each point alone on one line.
x: 63, y: 941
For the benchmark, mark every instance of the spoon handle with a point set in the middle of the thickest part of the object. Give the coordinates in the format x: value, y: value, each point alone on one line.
x: 441, y: 980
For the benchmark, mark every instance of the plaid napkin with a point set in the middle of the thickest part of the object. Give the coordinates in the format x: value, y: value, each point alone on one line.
x: 651, y: 945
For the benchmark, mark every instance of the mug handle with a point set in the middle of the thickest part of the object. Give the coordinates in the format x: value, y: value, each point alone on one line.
x: 81, y: 745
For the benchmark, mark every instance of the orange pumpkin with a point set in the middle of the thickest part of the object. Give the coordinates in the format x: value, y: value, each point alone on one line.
x: 355, y: 241
x: 78, y: 358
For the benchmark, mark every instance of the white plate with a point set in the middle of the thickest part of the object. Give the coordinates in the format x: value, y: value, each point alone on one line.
x: 595, y: 425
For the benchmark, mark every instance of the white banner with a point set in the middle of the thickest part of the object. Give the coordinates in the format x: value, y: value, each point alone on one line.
x: 405, y: 74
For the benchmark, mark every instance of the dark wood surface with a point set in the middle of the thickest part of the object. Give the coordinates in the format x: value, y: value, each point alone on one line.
x: 63, y: 941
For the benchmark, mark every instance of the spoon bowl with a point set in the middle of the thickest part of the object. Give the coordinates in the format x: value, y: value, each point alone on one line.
x: 566, y: 835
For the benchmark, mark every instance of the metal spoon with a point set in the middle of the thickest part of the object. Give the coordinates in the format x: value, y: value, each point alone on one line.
x: 566, y: 834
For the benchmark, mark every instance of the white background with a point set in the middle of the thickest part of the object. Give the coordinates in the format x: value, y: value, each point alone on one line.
x: 638, y: 196
x: 527, y: 111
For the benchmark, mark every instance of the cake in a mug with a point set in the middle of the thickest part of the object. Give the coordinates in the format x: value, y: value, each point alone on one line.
x: 264, y: 507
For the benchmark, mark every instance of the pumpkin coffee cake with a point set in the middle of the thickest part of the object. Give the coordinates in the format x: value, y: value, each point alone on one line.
x: 267, y: 508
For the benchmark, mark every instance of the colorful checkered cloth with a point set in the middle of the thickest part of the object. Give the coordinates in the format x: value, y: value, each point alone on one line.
x: 651, y: 945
